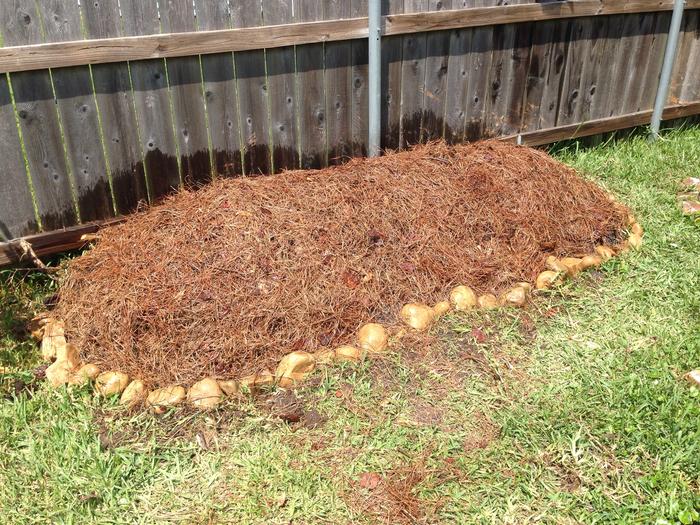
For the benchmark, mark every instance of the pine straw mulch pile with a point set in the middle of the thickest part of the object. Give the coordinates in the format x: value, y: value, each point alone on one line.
x: 226, y: 280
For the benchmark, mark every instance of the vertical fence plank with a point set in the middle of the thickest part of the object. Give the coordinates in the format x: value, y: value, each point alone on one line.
x: 632, y: 55
x: 252, y: 94
x: 437, y: 50
x: 116, y: 109
x: 556, y: 68
x: 312, y: 94
x: 281, y: 81
x: 478, y: 71
x: 592, y: 70
x: 39, y: 123
x: 220, y: 92
x: 458, y: 79
x: 359, y: 114
x: 78, y: 113
x: 392, y: 66
x: 152, y: 103
x: 338, y: 78
x: 412, y: 80
x: 571, y: 98
x: 517, y: 78
x: 185, y: 80
x: 17, y: 216
x: 682, y: 65
x: 655, y: 60
x: 690, y: 89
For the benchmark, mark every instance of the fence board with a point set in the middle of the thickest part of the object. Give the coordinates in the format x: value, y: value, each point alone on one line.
x: 152, y: 103
x: 185, y: 80
x: 458, y: 80
x: 39, y: 122
x: 359, y: 114
x: 655, y: 60
x: 571, y: 98
x: 437, y: 49
x: 412, y: 80
x: 312, y: 94
x: 78, y: 113
x: 115, y: 104
x: 392, y: 72
x: 338, y: 79
x: 252, y: 94
x: 690, y: 87
x: 220, y: 92
x: 281, y: 80
x: 17, y: 216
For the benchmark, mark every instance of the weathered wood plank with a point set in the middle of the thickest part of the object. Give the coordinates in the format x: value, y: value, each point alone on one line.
x: 571, y: 96
x: 435, y: 82
x: 392, y: 68
x: 220, y: 92
x: 593, y: 69
x: 359, y: 114
x: 76, y: 105
x: 312, y: 94
x: 39, y: 123
x: 252, y: 95
x: 115, y: 104
x: 152, y: 103
x: 478, y: 71
x: 17, y: 216
x: 185, y: 78
x: 338, y: 81
x: 655, y: 61
x: 690, y: 89
x: 412, y: 80
x: 66, y: 54
x: 458, y: 80
x: 281, y: 81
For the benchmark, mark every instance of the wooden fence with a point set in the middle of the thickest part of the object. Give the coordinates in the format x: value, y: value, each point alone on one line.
x: 106, y: 104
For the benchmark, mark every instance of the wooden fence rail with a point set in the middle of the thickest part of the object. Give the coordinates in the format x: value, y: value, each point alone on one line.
x: 108, y: 104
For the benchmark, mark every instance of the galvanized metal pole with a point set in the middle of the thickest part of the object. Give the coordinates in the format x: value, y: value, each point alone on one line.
x: 667, y: 68
x: 375, y: 76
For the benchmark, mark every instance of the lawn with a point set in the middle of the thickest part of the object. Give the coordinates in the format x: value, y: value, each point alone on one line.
x: 573, y: 410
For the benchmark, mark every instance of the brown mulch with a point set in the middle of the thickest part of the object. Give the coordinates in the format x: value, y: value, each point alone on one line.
x: 225, y: 280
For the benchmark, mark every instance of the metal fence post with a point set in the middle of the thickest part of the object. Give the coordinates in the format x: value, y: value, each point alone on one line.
x: 667, y: 68
x: 375, y: 76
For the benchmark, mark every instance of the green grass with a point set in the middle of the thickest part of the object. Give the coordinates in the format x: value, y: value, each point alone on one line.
x: 572, y: 412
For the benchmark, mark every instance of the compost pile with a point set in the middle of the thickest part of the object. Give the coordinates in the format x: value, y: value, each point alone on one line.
x: 225, y: 280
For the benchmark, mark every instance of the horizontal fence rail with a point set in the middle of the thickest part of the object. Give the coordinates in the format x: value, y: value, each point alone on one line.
x: 108, y: 105
x: 83, y: 52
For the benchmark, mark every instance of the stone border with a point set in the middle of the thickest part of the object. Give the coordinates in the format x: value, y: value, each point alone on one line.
x: 295, y: 367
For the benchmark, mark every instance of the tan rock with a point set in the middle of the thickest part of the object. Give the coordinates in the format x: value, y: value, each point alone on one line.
x: 441, y: 308
x: 556, y: 265
x: 463, y: 298
x: 163, y: 398
x: 111, y: 383
x: 257, y: 381
x: 488, y: 301
x: 54, y: 339
x: 635, y: 241
x: 573, y: 265
x: 229, y: 387
x: 324, y: 356
x: 525, y: 286
x: 605, y: 252
x: 547, y: 279
x: 693, y: 377
x: 205, y: 393
x: 68, y: 352
x: 637, y: 229
x: 516, y: 296
x: 349, y: 353
x: 591, y: 261
x: 293, y: 368
x: 59, y: 373
x: 37, y: 325
x: 134, y: 393
x: 84, y: 375
x: 373, y: 338
x: 417, y: 316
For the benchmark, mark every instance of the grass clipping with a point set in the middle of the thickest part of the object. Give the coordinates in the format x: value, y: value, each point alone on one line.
x: 226, y: 280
